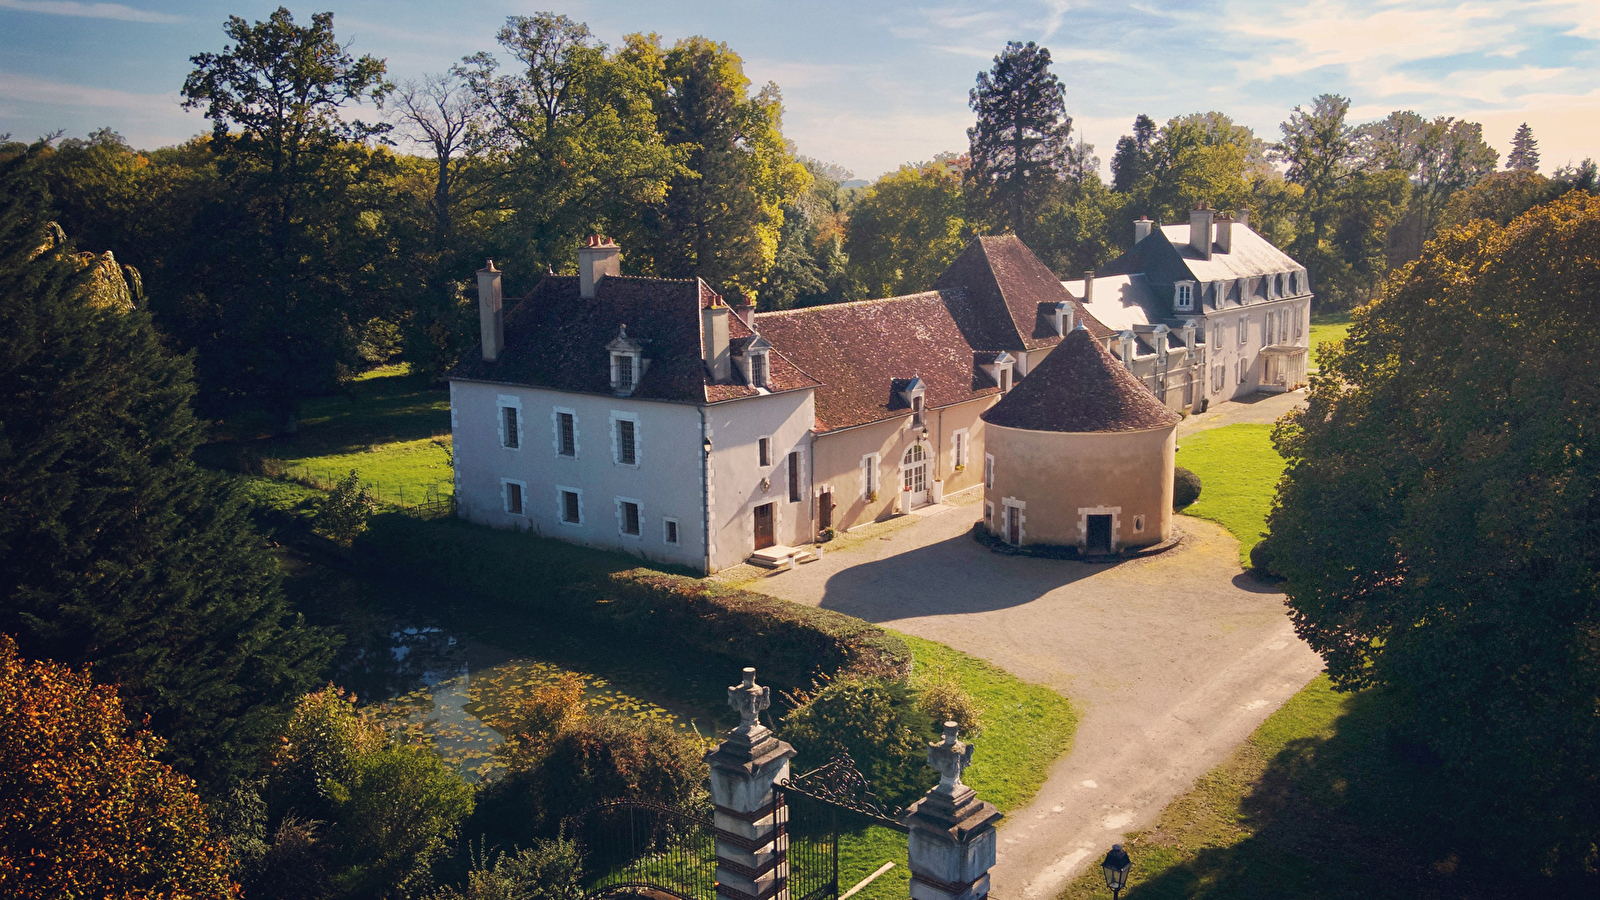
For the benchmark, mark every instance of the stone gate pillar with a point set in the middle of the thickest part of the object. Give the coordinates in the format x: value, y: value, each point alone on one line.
x: 952, y: 831
x: 752, y: 838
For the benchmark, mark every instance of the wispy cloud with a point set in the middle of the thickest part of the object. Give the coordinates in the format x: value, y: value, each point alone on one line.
x: 91, y: 11
x: 29, y: 89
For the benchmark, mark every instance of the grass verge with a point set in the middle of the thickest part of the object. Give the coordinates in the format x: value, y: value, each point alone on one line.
x: 1026, y: 728
x: 1239, y: 471
x: 1325, y: 328
x: 1320, y: 802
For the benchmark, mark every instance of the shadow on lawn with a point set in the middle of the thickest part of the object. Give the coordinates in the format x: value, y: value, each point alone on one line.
x: 1358, y: 814
x: 381, y: 410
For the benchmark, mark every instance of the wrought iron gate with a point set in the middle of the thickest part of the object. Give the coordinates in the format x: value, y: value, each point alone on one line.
x: 638, y: 847
x: 819, y: 803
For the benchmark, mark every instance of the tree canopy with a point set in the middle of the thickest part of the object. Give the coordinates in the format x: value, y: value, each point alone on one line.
x: 1020, y: 146
x: 86, y: 809
x: 114, y: 548
x: 1437, y: 523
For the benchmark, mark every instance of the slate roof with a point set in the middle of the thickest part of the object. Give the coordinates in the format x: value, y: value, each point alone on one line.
x: 1007, y: 297
x: 1120, y: 301
x: 1079, y: 388
x: 860, y: 351
x: 1169, y: 257
x: 556, y: 339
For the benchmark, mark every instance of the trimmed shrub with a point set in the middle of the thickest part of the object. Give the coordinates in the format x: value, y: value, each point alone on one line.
x: 1261, y: 561
x: 1185, y: 487
x: 792, y: 644
x: 873, y: 720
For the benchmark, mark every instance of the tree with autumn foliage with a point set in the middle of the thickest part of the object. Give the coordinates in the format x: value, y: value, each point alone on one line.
x: 86, y: 809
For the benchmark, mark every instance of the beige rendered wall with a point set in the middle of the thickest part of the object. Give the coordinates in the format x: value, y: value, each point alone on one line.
x: 838, y: 460
x: 1054, y: 475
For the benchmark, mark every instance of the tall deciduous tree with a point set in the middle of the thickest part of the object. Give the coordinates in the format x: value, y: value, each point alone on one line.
x: 906, y: 229
x: 1021, y: 144
x: 723, y: 215
x: 1437, y: 523
x: 275, y: 98
x: 574, y: 127
x: 1524, y: 155
x: 86, y: 810
x: 114, y: 548
x: 1132, y: 160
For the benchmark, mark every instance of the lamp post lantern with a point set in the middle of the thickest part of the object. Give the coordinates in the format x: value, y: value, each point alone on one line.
x: 1115, y: 868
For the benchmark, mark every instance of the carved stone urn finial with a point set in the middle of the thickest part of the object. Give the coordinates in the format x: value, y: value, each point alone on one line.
x: 749, y: 699
x: 949, y: 757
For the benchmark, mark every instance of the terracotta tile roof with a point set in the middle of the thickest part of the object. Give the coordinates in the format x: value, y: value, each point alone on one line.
x: 1008, y: 296
x: 1080, y: 388
x: 858, y: 351
x: 556, y: 339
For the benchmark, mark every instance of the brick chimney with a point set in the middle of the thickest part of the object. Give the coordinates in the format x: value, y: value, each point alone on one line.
x: 1141, y: 229
x: 599, y: 257
x: 491, y: 322
x: 1200, y: 230
x: 714, y: 340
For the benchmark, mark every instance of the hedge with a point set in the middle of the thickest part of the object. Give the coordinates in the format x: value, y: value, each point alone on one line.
x: 793, y: 645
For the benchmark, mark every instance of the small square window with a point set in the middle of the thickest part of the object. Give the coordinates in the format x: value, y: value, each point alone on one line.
x: 513, y: 498
x: 669, y: 531
x: 571, y: 512
x: 1183, y: 296
x: 630, y: 517
x: 764, y: 450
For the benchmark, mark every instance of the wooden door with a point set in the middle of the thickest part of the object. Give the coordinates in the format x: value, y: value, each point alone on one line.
x: 1099, y: 534
x: 764, y: 531
x: 1013, y: 525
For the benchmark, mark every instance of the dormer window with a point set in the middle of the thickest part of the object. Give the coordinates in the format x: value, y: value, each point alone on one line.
x: 911, y: 393
x: 1183, y: 295
x: 751, y: 356
x: 997, y: 366
x: 758, y: 370
x: 627, y: 363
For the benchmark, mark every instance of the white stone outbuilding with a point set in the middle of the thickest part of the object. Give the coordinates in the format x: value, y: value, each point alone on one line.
x: 1080, y: 454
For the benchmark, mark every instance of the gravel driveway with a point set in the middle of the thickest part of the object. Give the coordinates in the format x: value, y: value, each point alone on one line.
x: 1171, y: 660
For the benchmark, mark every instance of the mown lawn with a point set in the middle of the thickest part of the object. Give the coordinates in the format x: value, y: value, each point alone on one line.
x: 1026, y: 728
x: 389, y: 425
x: 1239, y: 471
x: 1325, y: 327
x: 1318, y: 804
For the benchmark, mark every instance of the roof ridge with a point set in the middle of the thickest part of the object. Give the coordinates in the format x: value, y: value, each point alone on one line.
x: 822, y: 306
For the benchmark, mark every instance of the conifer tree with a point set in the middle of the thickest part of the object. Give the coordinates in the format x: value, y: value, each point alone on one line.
x: 1021, y: 144
x: 115, y: 550
x: 1524, y: 155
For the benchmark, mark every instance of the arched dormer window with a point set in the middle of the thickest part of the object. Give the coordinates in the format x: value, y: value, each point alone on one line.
x: 1183, y: 296
x: 627, y: 363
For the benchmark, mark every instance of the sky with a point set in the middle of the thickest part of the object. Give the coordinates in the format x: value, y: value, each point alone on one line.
x: 874, y: 84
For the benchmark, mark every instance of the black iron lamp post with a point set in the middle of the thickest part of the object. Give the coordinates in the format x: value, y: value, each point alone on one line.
x: 1115, y: 868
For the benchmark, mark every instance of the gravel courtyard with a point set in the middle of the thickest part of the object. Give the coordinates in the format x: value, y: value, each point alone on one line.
x: 1171, y: 660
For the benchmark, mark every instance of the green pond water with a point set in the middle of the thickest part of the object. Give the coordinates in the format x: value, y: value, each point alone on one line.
x: 418, y: 662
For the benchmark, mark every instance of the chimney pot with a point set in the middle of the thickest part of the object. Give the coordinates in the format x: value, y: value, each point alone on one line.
x: 1088, y: 286
x: 1141, y: 229
x: 491, y: 321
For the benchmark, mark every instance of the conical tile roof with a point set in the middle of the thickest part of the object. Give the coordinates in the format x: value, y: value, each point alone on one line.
x: 1080, y: 388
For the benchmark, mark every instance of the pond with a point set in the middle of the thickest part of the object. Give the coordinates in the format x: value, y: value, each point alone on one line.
x: 419, y: 661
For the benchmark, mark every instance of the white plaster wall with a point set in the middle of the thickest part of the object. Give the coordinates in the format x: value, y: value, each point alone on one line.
x: 666, y: 481
x: 736, y: 472
x: 1222, y: 333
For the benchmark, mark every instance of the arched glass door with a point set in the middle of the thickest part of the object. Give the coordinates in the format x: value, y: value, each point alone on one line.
x: 914, y: 475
